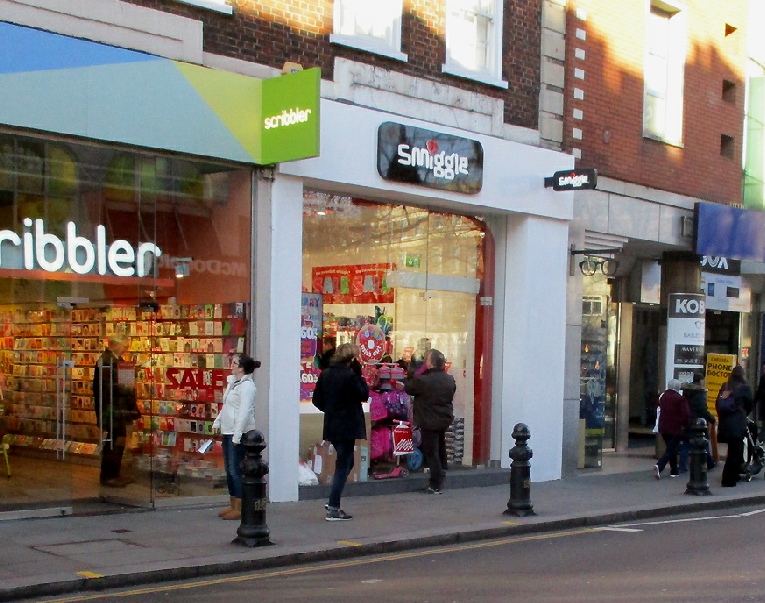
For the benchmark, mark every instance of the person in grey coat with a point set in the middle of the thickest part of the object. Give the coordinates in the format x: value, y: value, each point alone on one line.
x: 340, y: 391
x: 433, y: 407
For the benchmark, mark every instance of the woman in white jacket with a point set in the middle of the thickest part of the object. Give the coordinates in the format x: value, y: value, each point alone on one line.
x: 235, y: 418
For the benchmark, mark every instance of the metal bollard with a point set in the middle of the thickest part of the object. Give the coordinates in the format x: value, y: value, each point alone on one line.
x: 519, y: 504
x: 697, y: 484
x: 253, y: 530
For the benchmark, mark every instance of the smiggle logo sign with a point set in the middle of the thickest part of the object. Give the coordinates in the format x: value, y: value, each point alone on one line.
x: 442, y: 165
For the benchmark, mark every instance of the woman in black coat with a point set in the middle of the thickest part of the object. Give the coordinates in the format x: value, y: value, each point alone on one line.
x: 339, y: 394
x: 734, y: 403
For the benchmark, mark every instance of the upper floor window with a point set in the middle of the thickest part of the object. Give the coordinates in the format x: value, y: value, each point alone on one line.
x: 370, y: 26
x: 663, y: 73
x: 474, y: 40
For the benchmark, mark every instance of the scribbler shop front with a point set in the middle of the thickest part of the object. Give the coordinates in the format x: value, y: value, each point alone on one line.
x: 126, y: 210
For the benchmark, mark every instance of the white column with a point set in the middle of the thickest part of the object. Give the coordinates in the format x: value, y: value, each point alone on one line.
x: 278, y: 260
x: 534, y: 339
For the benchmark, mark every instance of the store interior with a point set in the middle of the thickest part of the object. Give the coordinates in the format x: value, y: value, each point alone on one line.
x: 153, y: 247
x: 394, y: 279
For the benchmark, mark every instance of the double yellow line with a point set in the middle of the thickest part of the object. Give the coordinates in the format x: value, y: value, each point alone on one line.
x: 306, y: 569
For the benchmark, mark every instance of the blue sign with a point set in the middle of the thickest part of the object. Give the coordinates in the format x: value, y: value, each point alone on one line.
x: 722, y: 230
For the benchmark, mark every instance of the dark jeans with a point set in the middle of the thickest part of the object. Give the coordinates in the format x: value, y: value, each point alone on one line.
x: 111, y: 454
x: 733, y: 462
x: 670, y: 453
x: 343, y: 466
x: 434, y: 450
x: 685, y: 451
x: 233, y: 454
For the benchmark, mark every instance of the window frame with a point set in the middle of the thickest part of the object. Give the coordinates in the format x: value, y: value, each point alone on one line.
x: 672, y: 100
x: 389, y: 47
x: 220, y: 6
x: 492, y: 74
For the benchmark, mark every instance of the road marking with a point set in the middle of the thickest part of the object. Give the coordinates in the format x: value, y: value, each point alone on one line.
x: 90, y: 575
x: 294, y: 571
x: 349, y: 543
x: 617, y: 529
x: 690, y: 519
x: 512, y: 523
x: 750, y: 513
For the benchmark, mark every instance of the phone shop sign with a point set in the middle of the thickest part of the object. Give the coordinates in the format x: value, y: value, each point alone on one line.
x: 431, y: 159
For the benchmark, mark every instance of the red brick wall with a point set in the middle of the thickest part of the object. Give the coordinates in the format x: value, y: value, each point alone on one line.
x: 612, y: 126
x: 273, y: 32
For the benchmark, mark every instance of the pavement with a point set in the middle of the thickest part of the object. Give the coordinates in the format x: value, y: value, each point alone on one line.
x: 60, y: 555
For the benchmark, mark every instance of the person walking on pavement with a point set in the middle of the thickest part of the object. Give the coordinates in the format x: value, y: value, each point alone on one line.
x: 236, y: 418
x: 433, y: 410
x: 734, y: 403
x: 339, y: 393
x: 116, y: 408
x: 674, y: 414
x: 696, y: 394
x: 759, y: 401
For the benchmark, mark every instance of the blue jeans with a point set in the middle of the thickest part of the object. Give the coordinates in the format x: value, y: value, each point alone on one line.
x: 685, y: 451
x: 343, y: 466
x: 233, y: 455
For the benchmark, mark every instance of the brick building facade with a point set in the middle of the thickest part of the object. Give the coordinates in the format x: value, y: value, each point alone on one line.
x: 605, y: 77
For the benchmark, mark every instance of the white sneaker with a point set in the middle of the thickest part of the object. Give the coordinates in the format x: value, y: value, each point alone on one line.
x: 656, y: 472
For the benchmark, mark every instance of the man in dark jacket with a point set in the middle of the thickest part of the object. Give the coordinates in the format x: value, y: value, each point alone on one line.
x: 433, y: 392
x: 115, y: 406
x: 339, y: 393
x: 674, y: 414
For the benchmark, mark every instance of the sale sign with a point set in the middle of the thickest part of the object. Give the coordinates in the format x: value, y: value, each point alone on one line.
x: 310, y: 333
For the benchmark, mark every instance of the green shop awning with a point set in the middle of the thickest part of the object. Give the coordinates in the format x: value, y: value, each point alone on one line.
x: 55, y: 83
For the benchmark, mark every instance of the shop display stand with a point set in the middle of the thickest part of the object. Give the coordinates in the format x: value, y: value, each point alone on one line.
x: 180, y: 355
x: 34, y: 345
x: 182, y: 362
x: 389, y: 406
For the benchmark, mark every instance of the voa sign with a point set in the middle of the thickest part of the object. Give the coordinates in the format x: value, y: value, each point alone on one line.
x: 37, y: 249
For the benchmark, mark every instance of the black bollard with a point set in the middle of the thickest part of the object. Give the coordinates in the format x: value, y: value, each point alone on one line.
x: 519, y: 504
x: 697, y: 434
x: 253, y: 530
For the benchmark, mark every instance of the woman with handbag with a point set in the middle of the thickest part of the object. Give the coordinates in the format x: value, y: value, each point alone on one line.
x: 733, y: 405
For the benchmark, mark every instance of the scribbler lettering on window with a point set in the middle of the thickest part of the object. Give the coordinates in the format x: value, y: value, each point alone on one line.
x: 76, y: 253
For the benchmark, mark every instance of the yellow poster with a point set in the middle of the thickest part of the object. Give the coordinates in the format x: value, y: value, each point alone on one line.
x: 719, y: 367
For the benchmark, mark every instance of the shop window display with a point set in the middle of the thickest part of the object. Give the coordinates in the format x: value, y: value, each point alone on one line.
x: 97, y: 241
x: 388, y: 277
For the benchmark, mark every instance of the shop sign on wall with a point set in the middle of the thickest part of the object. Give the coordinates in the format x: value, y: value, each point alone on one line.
x: 685, y: 336
x: 432, y: 159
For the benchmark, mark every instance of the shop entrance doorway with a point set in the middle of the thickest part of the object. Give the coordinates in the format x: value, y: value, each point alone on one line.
x: 57, y: 426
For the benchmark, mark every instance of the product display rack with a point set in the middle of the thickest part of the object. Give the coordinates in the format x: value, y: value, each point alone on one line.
x: 179, y: 355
